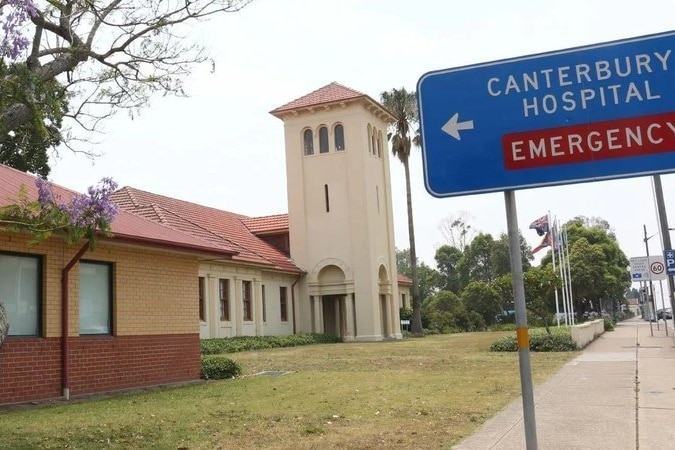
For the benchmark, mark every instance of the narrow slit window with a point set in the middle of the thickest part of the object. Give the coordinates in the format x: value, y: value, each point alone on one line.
x: 379, y: 144
x: 264, y: 304
x: 373, y: 144
x: 308, y: 142
x: 339, y: 137
x: 323, y: 140
x: 224, y: 289
x: 247, y: 301
x: 370, y: 142
x: 325, y: 191
x: 202, y: 300
x: 377, y: 196
x: 283, y: 303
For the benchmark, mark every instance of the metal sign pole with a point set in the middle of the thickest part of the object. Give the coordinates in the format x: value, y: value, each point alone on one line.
x: 521, y: 321
x: 665, y: 233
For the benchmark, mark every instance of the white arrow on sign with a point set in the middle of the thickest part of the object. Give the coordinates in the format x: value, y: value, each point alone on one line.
x: 453, y: 126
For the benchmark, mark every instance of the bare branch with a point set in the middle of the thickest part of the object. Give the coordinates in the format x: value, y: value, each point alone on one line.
x: 113, y: 55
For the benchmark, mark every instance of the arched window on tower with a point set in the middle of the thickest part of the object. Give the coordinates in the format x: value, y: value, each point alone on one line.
x: 339, y: 137
x: 323, y: 139
x: 379, y: 144
x: 370, y: 142
x: 308, y: 142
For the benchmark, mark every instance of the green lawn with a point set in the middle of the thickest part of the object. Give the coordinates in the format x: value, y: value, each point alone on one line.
x: 415, y: 393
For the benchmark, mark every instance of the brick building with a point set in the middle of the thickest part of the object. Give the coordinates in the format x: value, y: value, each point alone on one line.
x: 174, y: 271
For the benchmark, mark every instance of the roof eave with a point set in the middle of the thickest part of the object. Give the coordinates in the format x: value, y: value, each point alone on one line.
x: 168, y: 245
x: 282, y: 112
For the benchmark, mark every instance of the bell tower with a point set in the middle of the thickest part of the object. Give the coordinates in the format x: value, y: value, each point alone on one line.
x: 340, y: 213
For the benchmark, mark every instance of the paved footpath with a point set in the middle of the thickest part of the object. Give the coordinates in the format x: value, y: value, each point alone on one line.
x: 618, y: 394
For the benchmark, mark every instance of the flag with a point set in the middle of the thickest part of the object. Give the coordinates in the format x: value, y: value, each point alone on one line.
x: 546, y: 242
x: 540, y: 225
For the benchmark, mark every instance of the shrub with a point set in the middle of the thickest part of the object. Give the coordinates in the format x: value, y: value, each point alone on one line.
x: 218, y: 368
x: 505, y: 344
x: 552, y: 343
x: 212, y: 346
x: 609, y: 325
x: 538, y: 343
x: 405, y: 313
x: 246, y: 343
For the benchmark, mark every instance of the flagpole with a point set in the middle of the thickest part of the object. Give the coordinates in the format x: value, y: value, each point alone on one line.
x: 555, y: 292
x: 561, y: 262
x: 569, y: 274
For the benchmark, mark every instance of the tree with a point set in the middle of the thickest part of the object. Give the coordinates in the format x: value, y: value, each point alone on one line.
x: 597, y: 264
x: 403, y: 105
x: 430, y: 281
x: 88, y: 59
x: 447, y: 258
x: 501, y: 256
x: 25, y: 147
x: 540, y: 284
x: 403, y: 261
x: 481, y: 297
x: 82, y: 217
x: 486, y: 259
x: 503, y: 286
x: 457, y: 231
x: 476, y: 263
x: 446, y: 312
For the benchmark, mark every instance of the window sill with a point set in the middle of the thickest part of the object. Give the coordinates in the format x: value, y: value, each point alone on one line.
x: 27, y: 338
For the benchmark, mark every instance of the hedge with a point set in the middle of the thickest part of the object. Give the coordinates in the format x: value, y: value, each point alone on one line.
x: 538, y: 343
x: 247, y: 343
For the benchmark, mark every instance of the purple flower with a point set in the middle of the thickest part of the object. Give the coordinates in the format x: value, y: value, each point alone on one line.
x: 93, y: 210
x: 45, y: 196
x: 13, y: 15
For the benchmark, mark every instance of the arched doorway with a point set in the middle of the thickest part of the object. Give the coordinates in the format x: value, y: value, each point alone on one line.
x: 332, y: 300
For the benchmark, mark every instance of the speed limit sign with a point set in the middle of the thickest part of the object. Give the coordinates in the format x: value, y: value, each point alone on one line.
x: 657, y: 268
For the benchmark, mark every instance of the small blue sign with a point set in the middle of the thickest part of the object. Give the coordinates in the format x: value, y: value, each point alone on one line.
x: 669, y: 260
x: 591, y: 113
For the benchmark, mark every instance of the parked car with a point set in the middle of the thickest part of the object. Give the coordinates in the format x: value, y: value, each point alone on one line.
x: 665, y: 313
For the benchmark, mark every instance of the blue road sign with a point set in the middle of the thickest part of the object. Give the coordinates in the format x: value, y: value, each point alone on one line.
x: 669, y: 260
x: 590, y: 113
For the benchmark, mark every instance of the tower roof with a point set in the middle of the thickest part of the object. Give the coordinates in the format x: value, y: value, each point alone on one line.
x: 326, y: 95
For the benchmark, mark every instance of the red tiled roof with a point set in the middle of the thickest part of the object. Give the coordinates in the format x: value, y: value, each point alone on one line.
x: 126, y: 226
x: 267, y: 224
x: 402, y: 279
x: 331, y: 93
x: 223, y: 228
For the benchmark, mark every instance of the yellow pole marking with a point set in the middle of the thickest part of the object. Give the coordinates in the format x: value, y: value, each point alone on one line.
x: 522, y: 338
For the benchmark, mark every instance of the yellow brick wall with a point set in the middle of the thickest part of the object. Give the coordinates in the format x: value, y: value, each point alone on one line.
x: 154, y: 291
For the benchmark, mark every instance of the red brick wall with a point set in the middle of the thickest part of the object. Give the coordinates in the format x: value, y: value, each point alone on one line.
x: 31, y: 368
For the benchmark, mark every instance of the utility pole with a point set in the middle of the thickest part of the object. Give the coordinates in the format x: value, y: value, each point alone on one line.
x: 665, y: 234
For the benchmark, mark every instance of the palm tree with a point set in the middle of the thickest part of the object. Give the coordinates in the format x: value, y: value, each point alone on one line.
x: 403, y: 106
